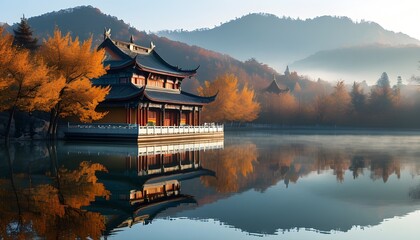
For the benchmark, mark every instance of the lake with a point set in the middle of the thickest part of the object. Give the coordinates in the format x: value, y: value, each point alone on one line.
x: 249, y: 185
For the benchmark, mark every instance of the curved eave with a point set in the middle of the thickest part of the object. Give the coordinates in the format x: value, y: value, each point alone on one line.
x: 203, y: 100
x: 134, y: 96
x: 172, y: 74
x: 207, y: 99
x: 128, y: 63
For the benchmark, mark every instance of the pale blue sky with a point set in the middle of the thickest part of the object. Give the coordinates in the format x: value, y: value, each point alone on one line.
x: 153, y: 15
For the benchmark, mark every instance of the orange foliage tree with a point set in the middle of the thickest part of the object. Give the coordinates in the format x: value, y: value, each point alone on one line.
x: 25, y: 81
x: 341, y: 101
x: 231, y: 104
x: 77, y: 64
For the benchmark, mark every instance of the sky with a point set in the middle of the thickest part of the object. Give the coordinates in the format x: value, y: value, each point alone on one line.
x: 154, y: 15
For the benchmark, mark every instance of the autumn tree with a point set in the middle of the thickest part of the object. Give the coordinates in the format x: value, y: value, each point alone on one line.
x: 77, y: 64
x: 6, y: 53
x: 322, y: 107
x: 27, y: 84
x: 23, y: 36
x: 248, y: 107
x: 340, y: 100
x: 231, y: 104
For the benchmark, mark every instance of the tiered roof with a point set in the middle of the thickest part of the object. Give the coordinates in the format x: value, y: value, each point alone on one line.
x: 145, y: 59
x: 127, y: 55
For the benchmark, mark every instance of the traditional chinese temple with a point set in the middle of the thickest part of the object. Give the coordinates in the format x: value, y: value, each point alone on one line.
x: 145, y: 91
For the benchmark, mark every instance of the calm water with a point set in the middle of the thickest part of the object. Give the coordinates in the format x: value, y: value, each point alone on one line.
x: 263, y: 185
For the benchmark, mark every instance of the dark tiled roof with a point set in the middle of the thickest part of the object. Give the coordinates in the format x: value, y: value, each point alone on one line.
x: 146, y: 59
x: 274, y: 88
x: 152, y: 61
x: 176, y: 97
x: 113, y: 64
x: 123, y: 92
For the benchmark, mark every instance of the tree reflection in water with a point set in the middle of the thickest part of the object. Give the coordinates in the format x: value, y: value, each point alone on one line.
x: 233, y: 165
x: 48, y: 204
x: 244, y: 166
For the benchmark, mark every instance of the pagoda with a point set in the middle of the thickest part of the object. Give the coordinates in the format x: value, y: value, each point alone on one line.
x: 275, y: 88
x: 145, y: 92
x: 145, y: 89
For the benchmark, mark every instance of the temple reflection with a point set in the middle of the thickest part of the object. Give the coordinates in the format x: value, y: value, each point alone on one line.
x: 143, y: 180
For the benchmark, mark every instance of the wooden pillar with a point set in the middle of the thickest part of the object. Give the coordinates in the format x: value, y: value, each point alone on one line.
x: 180, y: 116
x: 193, y: 117
x: 127, y: 114
x: 138, y: 115
x: 199, y: 116
x: 162, y: 121
x: 147, y: 114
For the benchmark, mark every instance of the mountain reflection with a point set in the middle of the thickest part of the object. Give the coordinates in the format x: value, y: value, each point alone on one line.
x: 88, y: 190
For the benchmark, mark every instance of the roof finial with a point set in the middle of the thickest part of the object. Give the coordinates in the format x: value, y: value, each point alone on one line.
x: 131, y: 39
x: 152, y: 45
x: 107, y: 33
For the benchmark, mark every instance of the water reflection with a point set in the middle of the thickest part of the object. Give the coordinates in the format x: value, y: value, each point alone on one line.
x: 259, y: 183
x: 48, y: 203
x: 51, y: 191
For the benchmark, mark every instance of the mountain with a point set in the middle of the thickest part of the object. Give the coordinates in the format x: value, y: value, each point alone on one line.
x: 362, y: 63
x: 279, y: 41
x: 87, y: 21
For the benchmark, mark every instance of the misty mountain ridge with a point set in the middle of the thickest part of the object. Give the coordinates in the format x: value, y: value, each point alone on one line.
x: 363, y: 63
x: 275, y: 40
x: 331, y: 64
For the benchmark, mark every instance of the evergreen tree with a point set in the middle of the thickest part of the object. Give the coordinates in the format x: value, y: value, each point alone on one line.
x: 383, y: 81
x: 358, y: 98
x: 23, y: 36
x: 381, y: 95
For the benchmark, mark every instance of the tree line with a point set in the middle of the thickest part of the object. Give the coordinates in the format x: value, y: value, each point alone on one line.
x: 52, y: 77
x: 317, y: 103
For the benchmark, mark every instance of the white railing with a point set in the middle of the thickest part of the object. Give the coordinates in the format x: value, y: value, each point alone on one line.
x: 161, y: 130
x: 134, y: 129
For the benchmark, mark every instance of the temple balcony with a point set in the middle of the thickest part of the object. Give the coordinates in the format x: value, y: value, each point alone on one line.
x: 108, y: 132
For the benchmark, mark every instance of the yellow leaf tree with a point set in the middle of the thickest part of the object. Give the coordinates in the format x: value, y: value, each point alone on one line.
x: 77, y: 64
x: 231, y: 104
x: 26, y: 83
x: 247, y: 106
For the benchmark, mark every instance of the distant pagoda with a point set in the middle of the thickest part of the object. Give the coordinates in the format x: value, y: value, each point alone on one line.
x: 274, y: 88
